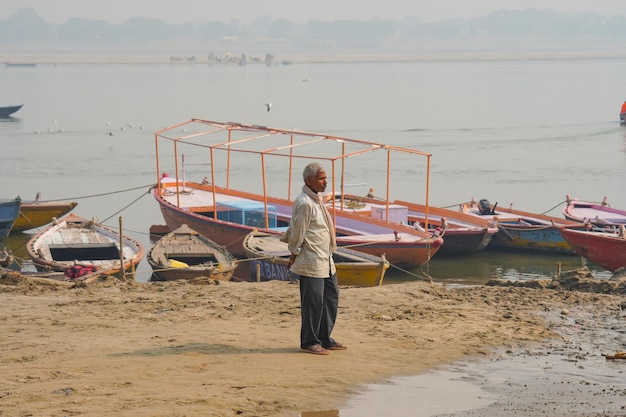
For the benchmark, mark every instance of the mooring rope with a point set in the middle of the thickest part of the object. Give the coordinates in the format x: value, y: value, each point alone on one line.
x: 102, y: 194
x: 555, y: 206
x: 128, y: 205
x: 424, y: 276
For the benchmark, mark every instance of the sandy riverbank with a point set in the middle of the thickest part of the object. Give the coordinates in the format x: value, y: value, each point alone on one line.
x: 203, y: 349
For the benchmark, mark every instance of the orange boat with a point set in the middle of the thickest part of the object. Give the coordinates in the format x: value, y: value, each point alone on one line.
x: 607, y: 249
x: 265, y: 159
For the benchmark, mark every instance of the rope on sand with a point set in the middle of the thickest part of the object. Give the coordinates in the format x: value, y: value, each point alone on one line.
x: 423, y: 276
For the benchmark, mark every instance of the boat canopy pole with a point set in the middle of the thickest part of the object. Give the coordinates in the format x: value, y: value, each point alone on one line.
x: 213, y: 184
x: 387, y: 194
x: 227, y: 163
x: 264, y: 179
x: 158, y: 166
x: 290, y: 178
x: 332, y: 165
x: 182, y: 156
x: 176, y: 172
x: 343, y: 173
x: 427, y: 191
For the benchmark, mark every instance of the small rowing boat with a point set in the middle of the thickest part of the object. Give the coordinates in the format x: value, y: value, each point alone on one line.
x: 75, y: 241
x: 599, y: 214
x: 184, y: 254
x: 269, y: 257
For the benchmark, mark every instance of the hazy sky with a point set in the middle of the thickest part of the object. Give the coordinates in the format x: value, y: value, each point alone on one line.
x: 179, y: 11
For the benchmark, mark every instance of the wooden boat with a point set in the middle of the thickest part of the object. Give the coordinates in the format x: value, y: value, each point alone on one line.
x: 269, y: 258
x: 522, y: 230
x: 6, y: 258
x: 9, y: 210
x: 35, y: 213
x: 606, y: 249
x: 9, y: 110
x: 74, y: 240
x: 228, y: 214
x: 599, y: 214
x: 186, y: 254
x: 463, y: 234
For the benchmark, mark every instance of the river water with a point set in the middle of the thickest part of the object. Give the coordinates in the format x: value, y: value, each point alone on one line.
x: 521, y: 133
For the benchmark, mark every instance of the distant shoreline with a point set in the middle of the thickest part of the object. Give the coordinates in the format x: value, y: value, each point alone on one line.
x: 287, y: 58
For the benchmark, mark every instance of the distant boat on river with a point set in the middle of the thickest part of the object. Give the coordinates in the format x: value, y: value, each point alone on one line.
x: 9, y: 110
x: 20, y: 64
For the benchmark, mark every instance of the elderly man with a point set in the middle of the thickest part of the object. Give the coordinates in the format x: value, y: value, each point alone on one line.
x: 312, y: 242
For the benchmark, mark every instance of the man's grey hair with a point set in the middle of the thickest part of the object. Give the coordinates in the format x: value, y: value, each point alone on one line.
x: 312, y: 170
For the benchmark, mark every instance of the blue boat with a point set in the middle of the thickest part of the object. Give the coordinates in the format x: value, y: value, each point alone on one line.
x: 522, y: 230
x: 9, y: 210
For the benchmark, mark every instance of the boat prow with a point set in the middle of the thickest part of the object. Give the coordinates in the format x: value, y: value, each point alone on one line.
x: 35, y: 213
x: 9, y: 110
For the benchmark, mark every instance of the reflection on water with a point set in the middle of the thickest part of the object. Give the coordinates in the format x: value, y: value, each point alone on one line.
x: 477, y: 269
x: 9, y: 119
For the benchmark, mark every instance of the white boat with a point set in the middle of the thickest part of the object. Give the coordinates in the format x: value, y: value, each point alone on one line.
x: 77, y: 242
x: 599, y: 214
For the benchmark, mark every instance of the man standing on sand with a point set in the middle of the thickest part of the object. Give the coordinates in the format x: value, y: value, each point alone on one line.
x: 311, y: 241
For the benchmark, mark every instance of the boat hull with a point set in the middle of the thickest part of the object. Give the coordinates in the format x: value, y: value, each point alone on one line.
x: 463, y: 234
x: 547, y: 240
x: 605, y: 249
x: 34, y: 214
x: 525, y: 231
x: 409, y: 249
